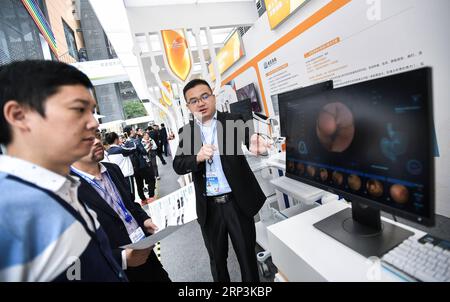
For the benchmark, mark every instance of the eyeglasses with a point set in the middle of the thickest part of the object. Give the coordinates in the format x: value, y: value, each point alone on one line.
x: 204, y: 97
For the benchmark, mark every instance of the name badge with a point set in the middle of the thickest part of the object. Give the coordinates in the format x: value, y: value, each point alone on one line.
x: 137, y: 235
x: 212, y: 183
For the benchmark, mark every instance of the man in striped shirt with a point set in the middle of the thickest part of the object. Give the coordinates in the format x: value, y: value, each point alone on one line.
x: 46, y: 124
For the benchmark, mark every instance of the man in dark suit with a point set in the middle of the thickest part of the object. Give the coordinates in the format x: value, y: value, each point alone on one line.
x: 142, y: 165
x: 155, y: 135
x: 163, y: 139
x: 104, y: 190
x: 227, y: 193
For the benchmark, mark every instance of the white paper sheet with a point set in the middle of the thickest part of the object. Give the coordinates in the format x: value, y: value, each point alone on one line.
x: 151, y: 240
x: 177, y: 208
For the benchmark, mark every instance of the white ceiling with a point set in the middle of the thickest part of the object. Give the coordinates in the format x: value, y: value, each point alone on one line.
x: 219, y: 36
x: 138, y: 3
x: 115, y: 18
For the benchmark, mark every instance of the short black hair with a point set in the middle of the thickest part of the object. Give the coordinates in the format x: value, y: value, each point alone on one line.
x: 193, y: 83
x: 127, y: 130
x: 111, y: 137
x: 31, y: 83
x: 162, y: 125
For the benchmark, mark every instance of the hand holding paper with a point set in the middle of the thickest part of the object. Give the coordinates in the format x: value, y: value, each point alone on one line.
x: 137, y: 257
x: 150, y: 227
x: 150, y: 241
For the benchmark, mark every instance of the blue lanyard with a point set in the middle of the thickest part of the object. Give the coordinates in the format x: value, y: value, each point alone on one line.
x: 213, y: 136
x: 118, y: 200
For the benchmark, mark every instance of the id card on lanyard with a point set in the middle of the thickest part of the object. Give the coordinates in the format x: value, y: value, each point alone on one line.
x: 137, y: 235
x: 212, y: 180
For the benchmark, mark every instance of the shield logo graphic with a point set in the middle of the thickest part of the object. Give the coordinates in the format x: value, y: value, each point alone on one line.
x: 177, y: 54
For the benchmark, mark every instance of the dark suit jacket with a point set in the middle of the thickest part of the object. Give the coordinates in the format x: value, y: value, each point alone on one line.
x: 155, y: 135
x: 114, y: 228
x: 246, y: 190
x: 163, y: 135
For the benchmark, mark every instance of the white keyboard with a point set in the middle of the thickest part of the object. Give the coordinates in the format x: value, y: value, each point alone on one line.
x: 426, y: 259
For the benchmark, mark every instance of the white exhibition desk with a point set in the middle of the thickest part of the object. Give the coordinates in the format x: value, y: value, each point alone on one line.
x: 303, y: 253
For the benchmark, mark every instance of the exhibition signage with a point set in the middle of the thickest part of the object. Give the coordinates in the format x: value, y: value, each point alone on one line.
x: 102, y: 72
x: 379, y: 43
x: 167, y: 99
x: 178, y: 56
x: 230, y: 53
x: 279, y: 10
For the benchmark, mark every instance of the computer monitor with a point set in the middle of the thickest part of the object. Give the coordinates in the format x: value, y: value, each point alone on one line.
x: 249, y: 92
x: 244, y: 108
x: 290, y: 98
x: 370, y: 143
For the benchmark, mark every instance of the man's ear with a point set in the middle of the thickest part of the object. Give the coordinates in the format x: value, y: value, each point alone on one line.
x: 16, y: 115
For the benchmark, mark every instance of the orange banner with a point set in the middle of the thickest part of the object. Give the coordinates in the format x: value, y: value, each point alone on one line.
x: 230, y: 53
x: 279, y: 10
x: 167, y: 99
x: 177, y: 53
x: 285, y: 65
x: 162, y: 114
x: 322, y: 47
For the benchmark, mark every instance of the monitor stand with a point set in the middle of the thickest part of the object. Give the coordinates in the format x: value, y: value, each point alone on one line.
x: 361, y: 229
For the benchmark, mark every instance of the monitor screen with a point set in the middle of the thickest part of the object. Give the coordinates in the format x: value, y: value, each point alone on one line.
x: 369, y: 142
x: 244, y: 108
x: 291, y: 99
x: 249, y: 92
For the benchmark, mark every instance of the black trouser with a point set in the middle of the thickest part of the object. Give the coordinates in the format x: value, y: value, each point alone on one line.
x: 223, y: 220
x: 151, y: 271
x: 165, y: 146
x: 147, y: 175
x: 159, y: 153
x: 152, y: 156
x: 130, y: 184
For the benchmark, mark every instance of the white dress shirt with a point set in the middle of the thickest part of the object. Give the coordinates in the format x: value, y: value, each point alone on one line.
x: 207, y: 138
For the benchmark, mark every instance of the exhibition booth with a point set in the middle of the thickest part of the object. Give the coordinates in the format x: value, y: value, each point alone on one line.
x: 353, y: 96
